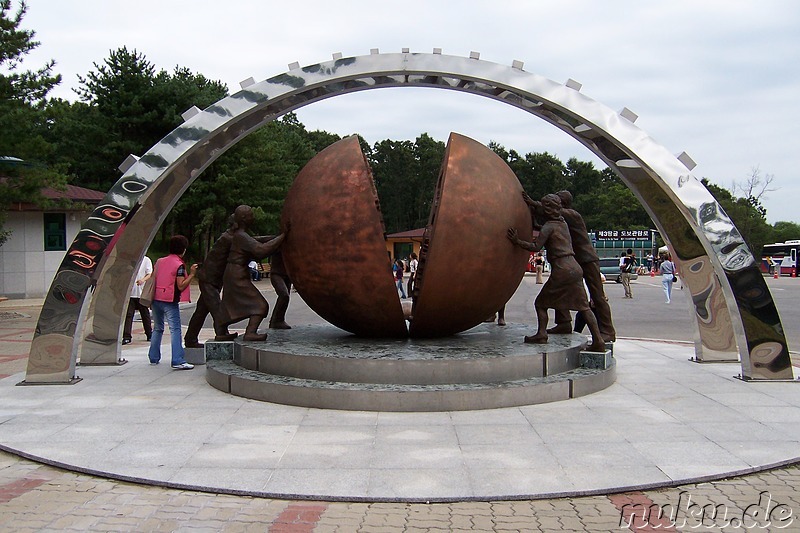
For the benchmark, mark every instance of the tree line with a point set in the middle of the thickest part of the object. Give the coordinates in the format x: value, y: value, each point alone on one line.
x: 125, y: 105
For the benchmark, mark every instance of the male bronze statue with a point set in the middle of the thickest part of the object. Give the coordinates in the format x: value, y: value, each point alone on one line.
x: 240, y: 298
x: 564, y: 288
x: 209, y: 279
x: 587, y: 258
x: 282, y: 283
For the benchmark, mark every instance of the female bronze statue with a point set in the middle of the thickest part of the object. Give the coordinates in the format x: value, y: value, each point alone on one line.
x: 564, y: 288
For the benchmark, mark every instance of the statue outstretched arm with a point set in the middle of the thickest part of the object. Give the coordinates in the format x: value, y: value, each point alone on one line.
x: 513, y: 236
x: 271, y: 246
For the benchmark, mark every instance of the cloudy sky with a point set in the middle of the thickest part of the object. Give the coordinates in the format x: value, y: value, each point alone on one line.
x: 718, y: 79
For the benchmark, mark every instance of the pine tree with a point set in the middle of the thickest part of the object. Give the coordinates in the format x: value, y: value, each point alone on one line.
x: 22, y: 101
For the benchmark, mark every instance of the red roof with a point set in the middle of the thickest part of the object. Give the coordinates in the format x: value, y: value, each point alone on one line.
x: 74, y: 193
x: 410, y: 234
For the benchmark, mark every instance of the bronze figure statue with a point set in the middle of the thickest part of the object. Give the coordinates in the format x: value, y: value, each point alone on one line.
x: 587, y: 258
x: 282, y: 284
x: 240, y: 298
x: 209, y: 277
x: 564, y: 288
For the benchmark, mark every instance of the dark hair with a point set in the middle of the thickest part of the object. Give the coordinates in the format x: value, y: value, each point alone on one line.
x: 178, y: 244
x: 629, y: 251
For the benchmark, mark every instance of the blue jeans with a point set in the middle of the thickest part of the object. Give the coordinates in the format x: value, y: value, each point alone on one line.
x: 400, y: 287
x: 173, y: 315
x: 666, y: 281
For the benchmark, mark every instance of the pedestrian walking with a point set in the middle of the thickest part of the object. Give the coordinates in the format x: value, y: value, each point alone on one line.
x: 668, y: 276
x: 397, y: 269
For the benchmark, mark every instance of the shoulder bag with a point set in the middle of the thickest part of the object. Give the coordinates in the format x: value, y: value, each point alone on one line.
x: 149, y: 288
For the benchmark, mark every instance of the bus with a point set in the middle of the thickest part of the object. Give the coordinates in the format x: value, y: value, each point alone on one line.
x: 783, y: 255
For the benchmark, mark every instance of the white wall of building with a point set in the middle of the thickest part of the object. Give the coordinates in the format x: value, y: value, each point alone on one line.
x: 27, y: 270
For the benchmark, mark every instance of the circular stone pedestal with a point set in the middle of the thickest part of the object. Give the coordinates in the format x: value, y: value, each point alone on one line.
x: 487, y: 367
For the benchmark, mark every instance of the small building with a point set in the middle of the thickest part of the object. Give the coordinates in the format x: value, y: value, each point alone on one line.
x: 615, y: 242
x: 30, y: 258
x: 400, y: 245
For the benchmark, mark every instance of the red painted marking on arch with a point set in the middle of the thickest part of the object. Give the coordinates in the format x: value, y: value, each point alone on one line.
x: 298, y: 518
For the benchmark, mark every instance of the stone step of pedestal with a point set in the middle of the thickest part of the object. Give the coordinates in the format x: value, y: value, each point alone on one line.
x: 229, y: 377
x: 487, y: 353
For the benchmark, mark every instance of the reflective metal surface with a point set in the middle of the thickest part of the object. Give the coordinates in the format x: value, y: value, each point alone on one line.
x: 335, y: 251
x: 164, y: 172
x: 467, y: 270
x: 697, y: 272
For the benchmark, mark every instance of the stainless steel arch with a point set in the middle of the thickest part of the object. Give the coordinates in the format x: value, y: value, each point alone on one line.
x: 733, y: 307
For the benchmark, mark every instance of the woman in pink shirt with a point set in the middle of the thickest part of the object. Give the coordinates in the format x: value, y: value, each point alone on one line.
x: 171, y: 288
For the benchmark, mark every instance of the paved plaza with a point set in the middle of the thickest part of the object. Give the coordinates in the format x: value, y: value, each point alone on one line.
x: 220, y: 463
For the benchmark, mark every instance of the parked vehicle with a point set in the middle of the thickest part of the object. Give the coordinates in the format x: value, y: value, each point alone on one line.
x: 783, y: 255
x: 609, y: 267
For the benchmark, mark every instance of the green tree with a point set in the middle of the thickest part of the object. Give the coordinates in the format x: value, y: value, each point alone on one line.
x: 77, y: 132
x: 405, y: 177
x: 747, y: 214
x: 22, y: 98
x: 539, y: 173
x: 584, y: 179
x: 393, y: 168
x: 22, y: 92
x: 428, y: 157
x: 258, y: 171
x: 785, y: 231
x: 607, y: 203
x: 319, y: 140
x: 600, y: 196
x: 130, y: 107
x: 546, y: 173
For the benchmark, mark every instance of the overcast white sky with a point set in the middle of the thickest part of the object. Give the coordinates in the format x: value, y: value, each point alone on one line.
x: 719, y: 79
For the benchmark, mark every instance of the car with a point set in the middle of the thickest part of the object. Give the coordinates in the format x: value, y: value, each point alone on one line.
x: 609, y: 267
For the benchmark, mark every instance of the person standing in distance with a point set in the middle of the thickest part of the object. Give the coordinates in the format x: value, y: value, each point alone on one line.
x: 412, y: 272
x: 626, y: 267
x: 397, y: 270
x: 538, y: 262
x: 145, y: 271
